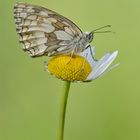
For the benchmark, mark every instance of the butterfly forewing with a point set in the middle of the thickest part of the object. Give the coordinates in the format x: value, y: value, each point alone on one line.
x: 42, y: 31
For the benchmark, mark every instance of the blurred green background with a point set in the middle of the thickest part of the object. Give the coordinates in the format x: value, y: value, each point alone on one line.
x: 105, y: 109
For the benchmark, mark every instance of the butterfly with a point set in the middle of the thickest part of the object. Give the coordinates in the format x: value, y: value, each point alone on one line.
x: 43, y: 32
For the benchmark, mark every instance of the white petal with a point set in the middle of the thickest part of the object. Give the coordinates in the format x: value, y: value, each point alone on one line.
x: 102, y: 65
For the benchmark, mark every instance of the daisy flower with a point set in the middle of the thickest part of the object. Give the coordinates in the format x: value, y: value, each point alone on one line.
x: 43, y: 32
x: 81, y: 67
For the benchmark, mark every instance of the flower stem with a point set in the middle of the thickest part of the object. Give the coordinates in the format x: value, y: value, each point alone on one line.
x: 63, y: 110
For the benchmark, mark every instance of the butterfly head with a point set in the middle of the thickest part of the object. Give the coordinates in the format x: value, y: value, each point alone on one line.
x: 89, y: 36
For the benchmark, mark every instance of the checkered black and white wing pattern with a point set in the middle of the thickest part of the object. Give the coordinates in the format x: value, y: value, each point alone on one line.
x: 42, y: 31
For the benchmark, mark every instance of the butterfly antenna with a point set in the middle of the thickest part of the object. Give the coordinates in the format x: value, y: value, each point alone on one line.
x: 101, y: 28
x: 104, y: 32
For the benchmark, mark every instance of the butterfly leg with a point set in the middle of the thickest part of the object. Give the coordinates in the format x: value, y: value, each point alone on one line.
x: 83, y: 65
x: 71, y: 55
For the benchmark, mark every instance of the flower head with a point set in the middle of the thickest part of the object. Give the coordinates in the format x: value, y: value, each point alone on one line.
x: 80, y: 67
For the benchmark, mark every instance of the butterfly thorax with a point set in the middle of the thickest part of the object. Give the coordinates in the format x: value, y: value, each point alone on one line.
x: 82, y: 43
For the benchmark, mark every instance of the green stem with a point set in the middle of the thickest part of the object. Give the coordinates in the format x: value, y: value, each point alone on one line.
x: 63, y: 110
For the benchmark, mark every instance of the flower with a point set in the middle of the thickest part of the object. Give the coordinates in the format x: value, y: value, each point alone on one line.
x: 80, y: 67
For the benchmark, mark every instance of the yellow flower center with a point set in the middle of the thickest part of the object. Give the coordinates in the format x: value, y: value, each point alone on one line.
x: 69, y: 68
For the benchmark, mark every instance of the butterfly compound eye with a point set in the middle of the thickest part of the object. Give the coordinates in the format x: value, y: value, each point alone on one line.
x: 89, y: 36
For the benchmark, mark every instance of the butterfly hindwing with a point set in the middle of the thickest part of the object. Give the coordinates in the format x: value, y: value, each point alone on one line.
x: 42, y: 31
